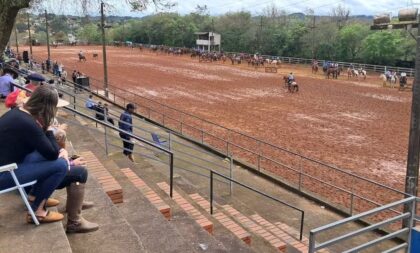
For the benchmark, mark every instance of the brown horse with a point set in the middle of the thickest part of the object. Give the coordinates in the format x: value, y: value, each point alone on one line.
x: 314, y: 68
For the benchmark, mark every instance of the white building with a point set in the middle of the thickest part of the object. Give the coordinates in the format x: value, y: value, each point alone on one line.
x: 208, y: 41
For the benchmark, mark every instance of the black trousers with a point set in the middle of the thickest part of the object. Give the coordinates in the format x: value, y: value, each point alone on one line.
x: 75, y: 174
x: 127, y: 144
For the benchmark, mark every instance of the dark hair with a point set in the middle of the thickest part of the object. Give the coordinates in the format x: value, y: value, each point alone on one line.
x: 42, y: 105
x: 130, y: 106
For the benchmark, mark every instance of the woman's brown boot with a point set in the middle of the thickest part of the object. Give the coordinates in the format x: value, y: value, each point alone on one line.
x: 75, y: 222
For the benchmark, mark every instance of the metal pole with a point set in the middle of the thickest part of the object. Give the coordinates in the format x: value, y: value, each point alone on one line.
x: 211, y: 192
x: 104, y: 50
x: 412, y: 174
x: 231, y: 175
x: 48, y: 36
x: 106, y: 133
x: 30, y: 37
x: 169, y: 141
x: 171, y: 174
x: 17, y: 42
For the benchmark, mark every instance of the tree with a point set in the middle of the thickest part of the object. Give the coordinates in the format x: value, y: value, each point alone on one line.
x: 9, y: 10
x: 350, y: 41
x: 381, y: 47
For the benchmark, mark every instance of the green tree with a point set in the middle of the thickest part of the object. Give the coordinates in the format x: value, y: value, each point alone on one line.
x: 350, y: 41
x: 89, y: 33
x: 381, y: 47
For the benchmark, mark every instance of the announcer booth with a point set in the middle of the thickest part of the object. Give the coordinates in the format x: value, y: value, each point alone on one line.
x: 209, y: 41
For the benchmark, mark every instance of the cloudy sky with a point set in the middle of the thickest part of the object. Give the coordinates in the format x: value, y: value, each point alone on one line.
x: 217, y: 7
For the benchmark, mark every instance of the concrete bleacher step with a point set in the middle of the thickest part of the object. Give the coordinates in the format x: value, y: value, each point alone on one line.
x: 231, y: 242
x: 201, y: 220
x: 115, y: 234
x: 273, y: 240
x: 109, y: 184
x: 19, y: 237
x: 227, y: 222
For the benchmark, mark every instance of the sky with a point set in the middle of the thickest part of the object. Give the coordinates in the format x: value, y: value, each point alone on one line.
x: 219, y: 7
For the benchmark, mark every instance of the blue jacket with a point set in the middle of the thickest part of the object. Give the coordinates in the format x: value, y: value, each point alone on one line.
x: 126, y: 122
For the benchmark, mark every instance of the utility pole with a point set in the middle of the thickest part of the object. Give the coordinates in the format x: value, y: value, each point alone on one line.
x: 313, y: 36
x: 48, y: 36
x: 412, y: 173
x: 104, y: 50
x: 410, y: 18
x: 30, y: 37
x: 16, y: 38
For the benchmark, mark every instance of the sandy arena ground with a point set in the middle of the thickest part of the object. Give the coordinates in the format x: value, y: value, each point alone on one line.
x: 356, y: 125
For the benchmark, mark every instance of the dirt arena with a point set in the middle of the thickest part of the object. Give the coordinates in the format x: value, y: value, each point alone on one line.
x: 355, y: 125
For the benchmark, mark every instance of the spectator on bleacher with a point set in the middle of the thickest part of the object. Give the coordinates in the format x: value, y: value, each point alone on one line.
x: 48, y: 63
x: 55, y: 68
x: 35, y: 82
x: 74, y: 76
x: 25, y: 132
x: 63, y: 76
x: 43, y: 67
x: 106, y: 112
x: 125, y: 123
x: 90, y: 103
x: 99, y: 111
x: 6, y: 82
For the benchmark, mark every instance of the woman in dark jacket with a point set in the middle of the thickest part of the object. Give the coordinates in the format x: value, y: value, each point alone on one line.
x: 25, y: 131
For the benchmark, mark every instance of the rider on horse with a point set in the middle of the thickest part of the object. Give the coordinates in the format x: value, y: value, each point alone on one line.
x: 290, y: 78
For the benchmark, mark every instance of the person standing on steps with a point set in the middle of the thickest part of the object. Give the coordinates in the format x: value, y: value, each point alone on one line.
x: 126, y: 123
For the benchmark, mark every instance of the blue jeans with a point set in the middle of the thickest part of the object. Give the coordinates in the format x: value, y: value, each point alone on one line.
x: 49, y: 174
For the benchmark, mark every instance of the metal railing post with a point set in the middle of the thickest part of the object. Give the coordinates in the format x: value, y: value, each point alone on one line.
x: 74, y: 103
x: 352, y: 195
x: 300, y: 174
x: 171, y: 174
x: 230, y: 175
x: 169, y: 141
x: 311, y: 242
x: 302, y: 218
x: 411, y: 223
x: 259, y: 157
x: 106, y: 133
x: 202, y: 137
x: 211, y: 192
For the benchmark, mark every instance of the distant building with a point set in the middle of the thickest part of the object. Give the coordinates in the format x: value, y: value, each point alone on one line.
x: 208, y: 41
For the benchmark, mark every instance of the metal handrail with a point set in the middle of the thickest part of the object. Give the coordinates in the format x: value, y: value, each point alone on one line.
x: 261, y: 156
x: 170, y: 153
x: 411, y: 214
x: 212, y: 172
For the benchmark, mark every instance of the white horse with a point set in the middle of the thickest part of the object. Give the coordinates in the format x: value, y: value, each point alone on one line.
x: 384, y: 79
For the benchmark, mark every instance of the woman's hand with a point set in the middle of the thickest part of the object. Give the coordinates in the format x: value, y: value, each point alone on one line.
x: 79, y: 162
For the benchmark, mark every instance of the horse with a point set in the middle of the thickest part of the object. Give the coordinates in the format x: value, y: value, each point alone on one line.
x: 292, y: 87
x: 314, y: 68
x: 332, y: 71
x: 384, y: 79
x: 82, y: 57
x: 403, y: 82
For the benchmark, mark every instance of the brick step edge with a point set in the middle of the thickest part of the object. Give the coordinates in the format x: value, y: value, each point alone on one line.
x: 273, y: 240
x: 227, y: 222
x: 294, y: 234
x: 151, y: 195
x: 200, y: 219
x: 106, y: 180
x: 281, y: 233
